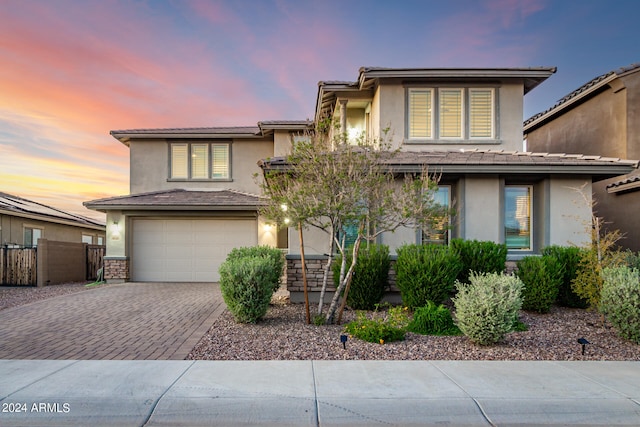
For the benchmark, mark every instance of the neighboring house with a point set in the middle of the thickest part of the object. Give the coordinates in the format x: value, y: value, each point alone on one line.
x: 23, y: 222
x: 194, y: 197
x: 601, y: 118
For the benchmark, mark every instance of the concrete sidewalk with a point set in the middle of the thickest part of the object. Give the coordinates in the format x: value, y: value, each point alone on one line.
x: 318, y: 393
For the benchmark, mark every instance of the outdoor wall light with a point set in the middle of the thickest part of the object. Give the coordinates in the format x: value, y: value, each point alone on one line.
x: 115, y: 228
x: 283, y: 207
x: 583, y: 342
x: 343, y: 340
x: 287, y: 221
x: 267, y: 227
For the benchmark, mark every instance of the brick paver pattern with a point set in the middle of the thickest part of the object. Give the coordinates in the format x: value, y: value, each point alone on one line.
x: 146, y: 321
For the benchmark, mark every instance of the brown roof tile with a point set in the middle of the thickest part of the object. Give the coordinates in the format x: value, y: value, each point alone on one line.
x: 222, y: 199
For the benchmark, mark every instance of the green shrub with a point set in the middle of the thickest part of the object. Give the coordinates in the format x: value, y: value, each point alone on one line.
x: 273, y: 254
x: 569, y: 259
x: 479, y: 256
x: 433, y: 319
x: 632, y: 259
x: 426, y: 273
x: 487, y: 307
x: 380, y: 328
x: 370, y: 278
x: 620, y: 301
x: 247, y: 286
x: 542, y: 276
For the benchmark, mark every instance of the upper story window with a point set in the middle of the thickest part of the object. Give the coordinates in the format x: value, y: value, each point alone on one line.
x: 459, y: 113
x: 31, y: 236
x: 199, y: 161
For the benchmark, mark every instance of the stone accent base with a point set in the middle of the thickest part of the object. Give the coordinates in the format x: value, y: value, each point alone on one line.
x: 116, y: 270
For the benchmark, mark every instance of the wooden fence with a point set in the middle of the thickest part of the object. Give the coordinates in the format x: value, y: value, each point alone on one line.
x: 18, y: 266
x: 95, y: 256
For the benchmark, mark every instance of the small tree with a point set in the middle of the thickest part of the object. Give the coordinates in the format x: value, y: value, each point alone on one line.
x: 340, y: 187
x: 601, y: 252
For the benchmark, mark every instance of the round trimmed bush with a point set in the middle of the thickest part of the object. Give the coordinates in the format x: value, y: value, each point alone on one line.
x: 542, y: 278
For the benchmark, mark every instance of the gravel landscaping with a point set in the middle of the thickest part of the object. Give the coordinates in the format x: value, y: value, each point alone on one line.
x: 283, y: 334
x: 12, y: 296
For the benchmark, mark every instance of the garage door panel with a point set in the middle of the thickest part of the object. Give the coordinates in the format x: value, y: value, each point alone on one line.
x: 186, y: 250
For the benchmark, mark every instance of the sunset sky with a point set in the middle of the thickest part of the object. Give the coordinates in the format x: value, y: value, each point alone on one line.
x: 71, y: 71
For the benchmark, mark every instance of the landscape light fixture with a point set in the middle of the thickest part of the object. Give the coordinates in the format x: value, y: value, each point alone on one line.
x: 583, y: 342
x: 343, y: 340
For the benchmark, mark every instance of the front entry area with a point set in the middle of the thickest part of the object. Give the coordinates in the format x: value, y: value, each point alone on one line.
x: 186, y: 250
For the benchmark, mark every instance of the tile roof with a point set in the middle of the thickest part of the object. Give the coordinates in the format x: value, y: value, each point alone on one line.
x: 499, y: 161
x: 629, y: 182
x: 590, y: 85
x: 199, y: 200
x: 21, y: 207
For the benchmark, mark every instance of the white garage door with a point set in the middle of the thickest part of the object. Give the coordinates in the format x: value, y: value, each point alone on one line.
x: 186, y: 250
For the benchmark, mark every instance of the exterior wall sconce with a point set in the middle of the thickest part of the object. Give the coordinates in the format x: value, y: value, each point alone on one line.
x: 115, y: 230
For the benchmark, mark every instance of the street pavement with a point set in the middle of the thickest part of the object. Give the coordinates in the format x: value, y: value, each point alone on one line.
x: 318, y: 393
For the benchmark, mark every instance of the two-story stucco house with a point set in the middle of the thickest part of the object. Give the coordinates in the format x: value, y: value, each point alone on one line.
x: 601, y: 117
x: 193, y: 196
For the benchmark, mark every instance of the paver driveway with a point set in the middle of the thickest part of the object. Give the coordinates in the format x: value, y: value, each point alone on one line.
x: 127, y: 321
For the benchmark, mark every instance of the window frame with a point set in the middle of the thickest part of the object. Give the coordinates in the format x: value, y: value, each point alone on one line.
x: 530, y: 190
x: 33, y: 244
x: 191, y: 174
x: 435, y: 116
x: 447, y: 230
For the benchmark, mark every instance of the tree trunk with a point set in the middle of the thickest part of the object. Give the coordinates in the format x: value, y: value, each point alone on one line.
x: 349, y: 278
x: 304, y: 276
x: 327, y: 270
x: 334, y: 301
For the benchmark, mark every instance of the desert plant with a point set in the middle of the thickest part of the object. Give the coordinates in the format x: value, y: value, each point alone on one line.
x: 542, y: 277
x: 479, y: 256
x: 620, y: 301
x: 433, y: 319
x: 273, y: 254
x: 569, y: 259
x: 487, y: 307
x: 370, y: 276
x: 247, y: 286
x: 632, y: 259
x: 426, y: 273
x: 380, y: 328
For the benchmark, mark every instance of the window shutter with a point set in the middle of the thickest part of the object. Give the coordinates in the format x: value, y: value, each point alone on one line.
x: 179, y: 161
x: 481, y: 113
x: 451, y: 113
x: 420, y: 114
x: 200, y: 161
x: 220, y: 160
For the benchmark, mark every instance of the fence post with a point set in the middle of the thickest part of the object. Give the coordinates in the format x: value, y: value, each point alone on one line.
x: 42, y: 258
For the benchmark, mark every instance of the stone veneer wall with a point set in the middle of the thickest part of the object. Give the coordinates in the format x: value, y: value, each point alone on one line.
x: 116, y: 270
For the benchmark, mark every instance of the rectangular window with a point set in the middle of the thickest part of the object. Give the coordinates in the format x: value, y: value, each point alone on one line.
x: 31, y: 236
x: 420, y: 113
x: 100, y: 240
x: 517, y: 217
x: 180, y: 161
x: 220, y: 161
x: 438, y: 231
x: 451, y: 113
x: 87, y: 239
x: 450, y: 109
x: 480, y: 113
x: 199, y: 161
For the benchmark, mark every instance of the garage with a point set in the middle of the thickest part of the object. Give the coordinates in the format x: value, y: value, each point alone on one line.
x: 186, y: 250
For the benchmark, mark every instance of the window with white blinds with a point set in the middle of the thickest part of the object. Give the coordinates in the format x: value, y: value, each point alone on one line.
x: 180, y: 161
x: 220, y: 161
x: 199, y: 161
x: 480, y: 113
x: 420, y: 113
x: 451, y: 113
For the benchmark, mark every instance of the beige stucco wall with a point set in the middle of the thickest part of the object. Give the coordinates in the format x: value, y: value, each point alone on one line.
x: 12, y: 230
x: 480, y: 209
x: 281, y: 143
x: 149, y: 164
x: 267, y: 233
x: 116, y: 232
x: 571, y: 226
x: 389, y: 108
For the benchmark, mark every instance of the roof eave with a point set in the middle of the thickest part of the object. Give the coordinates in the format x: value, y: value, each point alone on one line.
x: 52, y: 219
